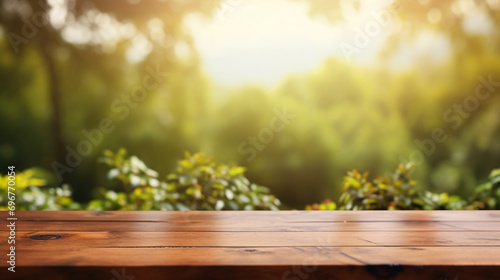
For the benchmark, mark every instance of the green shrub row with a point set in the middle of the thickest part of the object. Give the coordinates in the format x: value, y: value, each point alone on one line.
x: 198, y: 183
x: 400, y: 192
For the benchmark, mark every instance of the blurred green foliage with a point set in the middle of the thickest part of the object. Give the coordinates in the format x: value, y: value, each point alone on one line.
x: 55, y: 91
x: 487, y: 195
x: 198, y: 183
x: 31, y: 194
x: 396, y: 193
x: 400, y: 192
x: 327, y: 204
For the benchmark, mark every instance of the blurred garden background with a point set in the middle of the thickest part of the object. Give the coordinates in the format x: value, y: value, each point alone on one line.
x: 298, y: 92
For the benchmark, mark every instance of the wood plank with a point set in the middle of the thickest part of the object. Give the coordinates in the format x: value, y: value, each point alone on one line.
x: 245, y: 226
x: 258, y: 256
x: 264, y: 245
x: 130, y: 240
x: 295, y: 216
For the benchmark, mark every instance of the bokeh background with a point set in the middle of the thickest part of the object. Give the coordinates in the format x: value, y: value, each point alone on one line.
x: 364, y: 85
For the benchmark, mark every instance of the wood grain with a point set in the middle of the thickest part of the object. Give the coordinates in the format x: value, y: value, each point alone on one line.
x: 259, y: 256
x: 255, y: 226
x: 293, y: 216
x: 116, y: 239
x: 275, y: 245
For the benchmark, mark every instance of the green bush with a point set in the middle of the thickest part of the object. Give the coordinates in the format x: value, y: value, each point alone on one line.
x: 197, y: 184
x: 32, y: 194
x: 442, y: 201
x: 487, y: 195
x: 396, y: 193
x: 400, y: 192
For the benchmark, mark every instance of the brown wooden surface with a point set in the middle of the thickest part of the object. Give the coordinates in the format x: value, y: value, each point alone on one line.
x: 255, y: 245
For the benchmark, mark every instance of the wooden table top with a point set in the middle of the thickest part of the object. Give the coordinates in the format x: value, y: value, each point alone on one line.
x: 285, y: 239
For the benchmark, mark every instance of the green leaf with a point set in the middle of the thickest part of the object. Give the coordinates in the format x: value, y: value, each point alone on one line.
x: 229, y: 194
x: 219, y: 205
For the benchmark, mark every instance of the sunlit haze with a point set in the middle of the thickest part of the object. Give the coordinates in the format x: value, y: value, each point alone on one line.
x: 261, y: 42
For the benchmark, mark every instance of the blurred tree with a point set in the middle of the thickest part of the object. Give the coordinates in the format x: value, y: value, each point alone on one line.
x: 66, y: 65
x: 82, y: 45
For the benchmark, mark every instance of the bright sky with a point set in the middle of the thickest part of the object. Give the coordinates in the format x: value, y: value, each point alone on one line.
x: 262, y: 42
